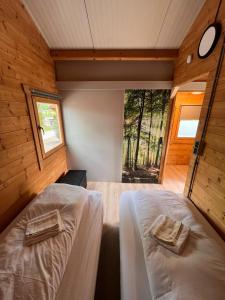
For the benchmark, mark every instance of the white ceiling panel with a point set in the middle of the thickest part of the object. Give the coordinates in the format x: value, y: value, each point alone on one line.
x: 126, y: 23
x: 113, y: 24
x: 63, y: 23
x: 179, y: 18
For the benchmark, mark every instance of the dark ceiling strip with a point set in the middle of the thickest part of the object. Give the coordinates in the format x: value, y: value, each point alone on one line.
x: 43, y: 94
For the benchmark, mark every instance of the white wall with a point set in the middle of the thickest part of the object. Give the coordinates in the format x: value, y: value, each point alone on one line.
x: 93, y: 121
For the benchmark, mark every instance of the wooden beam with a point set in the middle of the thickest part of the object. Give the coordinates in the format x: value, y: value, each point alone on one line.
x: 115, y: 55
x: 174, y: 91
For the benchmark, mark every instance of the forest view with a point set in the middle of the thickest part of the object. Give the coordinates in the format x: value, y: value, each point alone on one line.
x: 49, y: 121
x: 145, y: 116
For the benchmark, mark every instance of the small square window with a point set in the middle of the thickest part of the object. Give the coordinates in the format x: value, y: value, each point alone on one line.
x: 187, y: 128
x: 189, y: 119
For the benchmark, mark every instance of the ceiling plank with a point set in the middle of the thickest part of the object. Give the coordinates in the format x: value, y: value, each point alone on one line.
x: 126, y: 55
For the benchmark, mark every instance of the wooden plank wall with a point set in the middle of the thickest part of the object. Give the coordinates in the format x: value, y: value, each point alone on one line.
x: 24, y: 58
x: 209, y: 185
x: 179, y: 151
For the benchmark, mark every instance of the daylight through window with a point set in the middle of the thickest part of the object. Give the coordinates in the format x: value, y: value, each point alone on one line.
x: 189, y: 119
x: 48, y: 117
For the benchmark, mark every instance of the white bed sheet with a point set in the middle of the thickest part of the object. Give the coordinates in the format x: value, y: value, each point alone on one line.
x: 196, y: 274
x: 134, y: 280
x: 80, y: 276
x: 36, y: 272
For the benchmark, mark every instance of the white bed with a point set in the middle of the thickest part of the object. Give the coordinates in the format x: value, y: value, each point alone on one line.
x: 79, y: 278
x: 134, y: 280
x: 149, y: 271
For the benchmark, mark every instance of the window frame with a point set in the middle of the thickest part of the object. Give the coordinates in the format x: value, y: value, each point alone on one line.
x: 175, y: 121
x: 32, y: 96
x: 57, y: 102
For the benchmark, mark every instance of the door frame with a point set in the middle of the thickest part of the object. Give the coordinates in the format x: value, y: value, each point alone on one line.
x: 203, y: 116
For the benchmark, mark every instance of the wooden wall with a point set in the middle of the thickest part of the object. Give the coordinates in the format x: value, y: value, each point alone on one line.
x: 179, y: 151
x: 24, y: 58
x: 209, y: 185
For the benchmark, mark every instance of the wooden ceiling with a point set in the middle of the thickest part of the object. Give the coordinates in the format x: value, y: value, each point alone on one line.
x: 117, y: 24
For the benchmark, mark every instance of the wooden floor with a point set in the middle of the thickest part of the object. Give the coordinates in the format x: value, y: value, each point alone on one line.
x: 174, y: 180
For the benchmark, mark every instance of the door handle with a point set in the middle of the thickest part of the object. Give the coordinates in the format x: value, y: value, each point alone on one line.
x: 199, y: 147
x: 41, y: 128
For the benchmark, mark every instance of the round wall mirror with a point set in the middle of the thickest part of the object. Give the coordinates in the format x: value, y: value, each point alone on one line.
x: 209, y: 40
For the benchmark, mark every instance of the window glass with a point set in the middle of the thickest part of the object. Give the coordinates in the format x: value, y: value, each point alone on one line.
x: 188, y: 128
x: 48, y: 114
x: 189, y: 119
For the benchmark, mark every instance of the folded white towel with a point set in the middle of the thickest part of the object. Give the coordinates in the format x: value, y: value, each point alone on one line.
x: 43, y: 227
x: 169, y: 233
x: 38, y: 239
x: 166, y: 229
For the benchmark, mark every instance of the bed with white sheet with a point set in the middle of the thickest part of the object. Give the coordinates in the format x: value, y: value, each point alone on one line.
x: 63, y: 266
x: 80, y: 276
x: 149, y: 270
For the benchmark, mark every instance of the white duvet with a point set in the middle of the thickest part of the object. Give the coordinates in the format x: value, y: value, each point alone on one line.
x: 36, y: 272
x: 196, y: 274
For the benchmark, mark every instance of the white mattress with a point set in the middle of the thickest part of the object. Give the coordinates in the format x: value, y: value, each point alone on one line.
x: 134, y: 280
x: 197, y: 273
x: 80, y: 276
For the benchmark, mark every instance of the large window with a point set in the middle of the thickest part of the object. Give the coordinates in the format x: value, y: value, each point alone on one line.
x: 189, y: 119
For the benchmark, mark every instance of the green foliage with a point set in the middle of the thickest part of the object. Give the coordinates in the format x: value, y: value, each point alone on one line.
x: 145, y: 116
x: 48, y: 116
